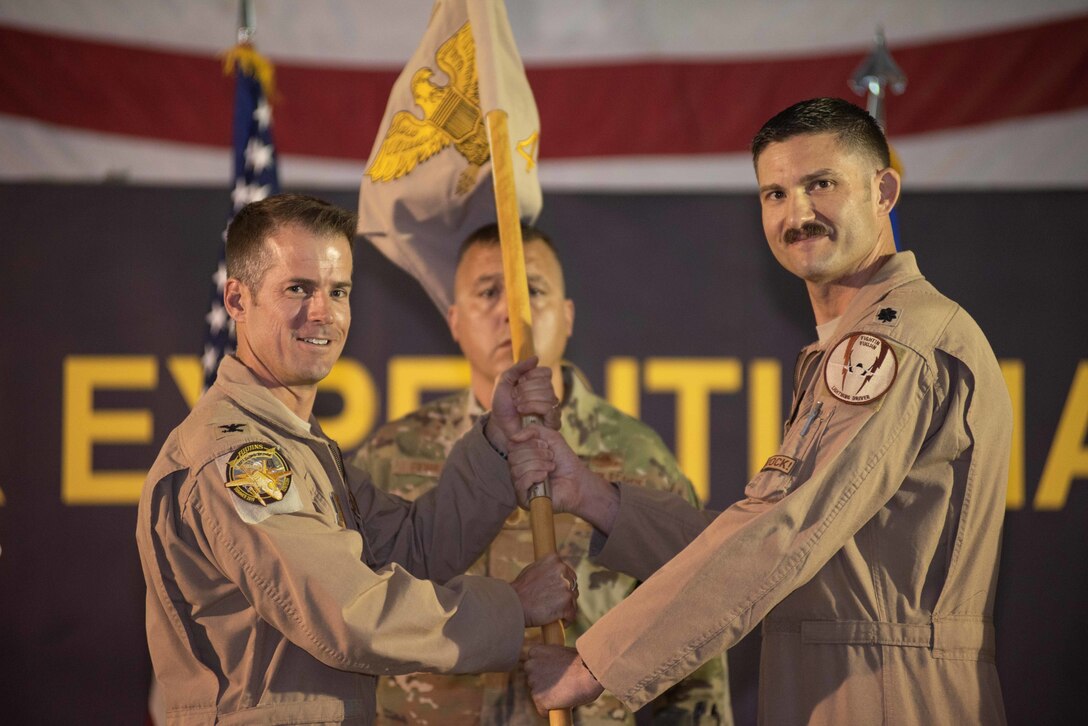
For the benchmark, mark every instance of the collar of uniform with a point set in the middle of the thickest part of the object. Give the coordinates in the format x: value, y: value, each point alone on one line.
x: 575, y: 393
x: 473, y: 408
x: 238, y: 383
x: 900, y: 269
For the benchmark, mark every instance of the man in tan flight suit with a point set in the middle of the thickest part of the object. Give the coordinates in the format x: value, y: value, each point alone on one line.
x: 280, y: 584
x: 405, y: 456
x: 868, y: 545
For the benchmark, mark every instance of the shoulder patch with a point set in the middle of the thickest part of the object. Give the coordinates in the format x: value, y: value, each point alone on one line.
x: 860, y: 368
x: 259, y: 474
x: 605, y: 463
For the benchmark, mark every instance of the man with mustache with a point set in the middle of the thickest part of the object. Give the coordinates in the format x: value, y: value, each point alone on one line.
x: 868, y: 545
x: 405, y: 456
x: 281, y: 583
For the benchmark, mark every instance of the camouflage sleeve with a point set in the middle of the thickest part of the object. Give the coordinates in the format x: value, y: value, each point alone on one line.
x: 701, y: 698
x: 375, y: 457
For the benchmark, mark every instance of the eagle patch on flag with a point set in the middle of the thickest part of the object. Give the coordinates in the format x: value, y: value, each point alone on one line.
x: 428, y: 182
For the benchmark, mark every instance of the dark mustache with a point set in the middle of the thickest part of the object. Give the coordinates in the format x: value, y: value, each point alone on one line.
x: 808, y: 229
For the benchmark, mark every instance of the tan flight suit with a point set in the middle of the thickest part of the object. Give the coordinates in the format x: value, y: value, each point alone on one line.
x: 868, y: 547
x: 278, y: 588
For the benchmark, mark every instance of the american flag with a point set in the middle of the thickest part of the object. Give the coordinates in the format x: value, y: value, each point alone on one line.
x: 255, y: 177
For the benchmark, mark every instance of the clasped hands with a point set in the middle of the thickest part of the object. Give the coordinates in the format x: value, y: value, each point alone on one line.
x: 557, y: 675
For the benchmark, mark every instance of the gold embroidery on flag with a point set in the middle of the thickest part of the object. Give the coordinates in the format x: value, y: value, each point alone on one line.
x: 451, y: 115
x: 528, y: 148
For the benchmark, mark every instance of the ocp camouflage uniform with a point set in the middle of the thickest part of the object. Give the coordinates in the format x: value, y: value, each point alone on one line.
x: 405, y: 457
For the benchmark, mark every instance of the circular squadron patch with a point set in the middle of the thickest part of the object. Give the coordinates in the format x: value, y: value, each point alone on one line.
x: 259, y: 474
x: 860, y: 368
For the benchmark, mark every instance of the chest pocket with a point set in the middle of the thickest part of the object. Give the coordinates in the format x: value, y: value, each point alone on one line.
x: 795, y: 460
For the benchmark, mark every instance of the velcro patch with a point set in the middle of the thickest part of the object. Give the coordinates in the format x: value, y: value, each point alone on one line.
x: 860, y: 368
x: 606, y: 464
x: 781, y: 463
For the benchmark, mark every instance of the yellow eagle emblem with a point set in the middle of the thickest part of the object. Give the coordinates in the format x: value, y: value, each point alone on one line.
x: 451, y: 115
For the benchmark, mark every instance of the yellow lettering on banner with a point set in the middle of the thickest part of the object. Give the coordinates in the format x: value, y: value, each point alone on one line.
x: 409, y: 376
x: 1016, y: 492
x: 764, y: 412
x: 693, y: 380
x: 83, y: 426
x: 1068, y: 457
x: 188, y: 375
x: 621, y: 384
x: 352, y: 382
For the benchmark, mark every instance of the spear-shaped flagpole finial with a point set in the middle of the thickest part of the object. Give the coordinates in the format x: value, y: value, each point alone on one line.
x: 876, y: 74
x: 247, y: 21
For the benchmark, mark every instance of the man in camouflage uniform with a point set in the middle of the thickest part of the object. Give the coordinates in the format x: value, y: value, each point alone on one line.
x: 405, y: 457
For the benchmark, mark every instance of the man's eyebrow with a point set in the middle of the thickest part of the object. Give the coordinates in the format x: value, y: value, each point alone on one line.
x: 818, y: 174
x: 810, y: 177
x: 489, y: 277
x: 310, y: 282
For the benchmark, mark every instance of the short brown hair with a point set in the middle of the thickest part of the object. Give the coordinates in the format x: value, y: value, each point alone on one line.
x: 257, y: 220
x: 853, y: 126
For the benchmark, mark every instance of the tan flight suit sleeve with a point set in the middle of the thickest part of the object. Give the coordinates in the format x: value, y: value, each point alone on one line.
x: 849, y: 464
x: 306, y: 577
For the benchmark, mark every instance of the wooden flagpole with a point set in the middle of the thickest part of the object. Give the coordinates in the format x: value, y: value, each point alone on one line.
x: 541, y: 518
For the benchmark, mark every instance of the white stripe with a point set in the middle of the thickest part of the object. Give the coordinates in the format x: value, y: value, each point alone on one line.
x: 1039, y: 152
x: 385, y: 32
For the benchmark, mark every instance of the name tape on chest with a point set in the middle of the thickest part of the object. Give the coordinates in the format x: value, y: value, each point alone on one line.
x: 860, y: 368
x: 416, y: 467
x: 780, y: 463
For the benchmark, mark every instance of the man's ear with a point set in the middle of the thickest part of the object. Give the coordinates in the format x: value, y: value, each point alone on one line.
x: 451, y: 320
x: 236, y: 299
x: 888, y: 188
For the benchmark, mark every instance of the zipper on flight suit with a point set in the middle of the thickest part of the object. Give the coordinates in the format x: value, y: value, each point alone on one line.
x: 349, y: 499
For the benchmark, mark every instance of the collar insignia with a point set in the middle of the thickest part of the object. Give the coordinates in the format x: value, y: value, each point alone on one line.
x: 259, y: 474
x: 888, y: 316
x: 231, y: 428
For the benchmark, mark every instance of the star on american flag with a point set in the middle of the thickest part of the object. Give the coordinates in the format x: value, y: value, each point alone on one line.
x: 255, y: 178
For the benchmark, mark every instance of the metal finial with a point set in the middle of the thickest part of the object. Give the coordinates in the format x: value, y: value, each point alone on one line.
x: 876, y: 74
x: 247, y: 21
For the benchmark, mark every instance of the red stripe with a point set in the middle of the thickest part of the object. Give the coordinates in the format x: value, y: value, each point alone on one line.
x: 598, y: 110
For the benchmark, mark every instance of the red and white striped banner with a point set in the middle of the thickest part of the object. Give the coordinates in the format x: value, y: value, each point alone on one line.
x: 632, y: 96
